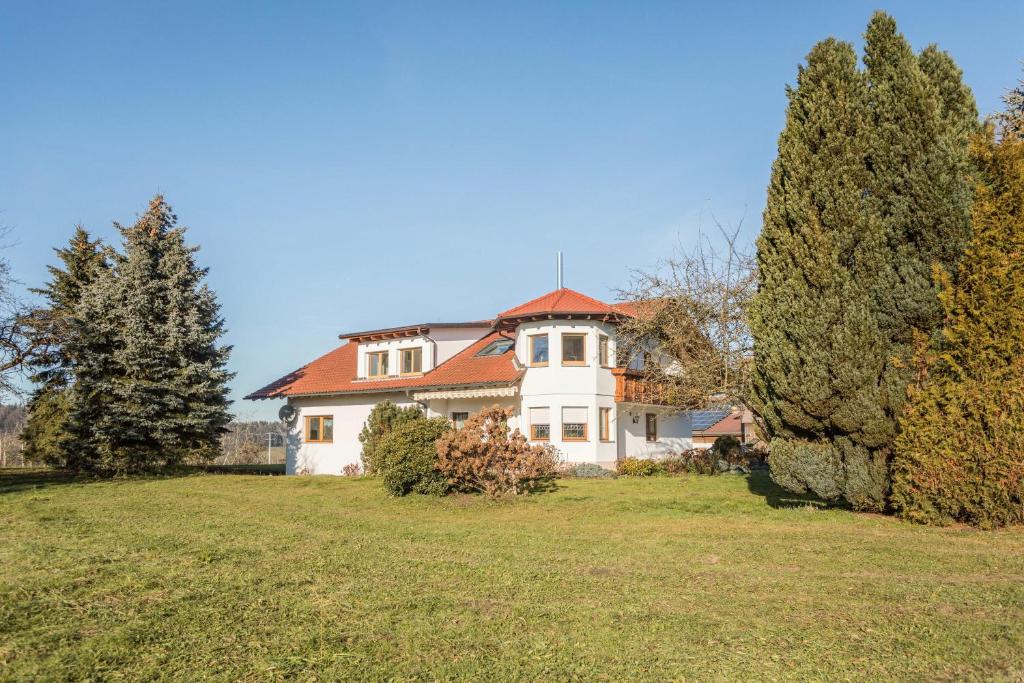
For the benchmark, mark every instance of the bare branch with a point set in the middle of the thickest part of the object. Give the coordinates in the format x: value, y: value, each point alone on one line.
x: 691, y: 323
x: 17, y: 346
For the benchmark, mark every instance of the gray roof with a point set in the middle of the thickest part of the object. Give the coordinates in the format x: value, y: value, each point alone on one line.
x: 425, y: 327
x: 702, y: 419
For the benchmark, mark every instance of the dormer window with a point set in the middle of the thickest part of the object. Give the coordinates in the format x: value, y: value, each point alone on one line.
x: 496, y: 348
x: 377, y: 364
x: 411, y: 361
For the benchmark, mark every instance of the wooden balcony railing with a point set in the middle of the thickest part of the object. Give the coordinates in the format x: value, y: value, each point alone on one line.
x: 630, y: 387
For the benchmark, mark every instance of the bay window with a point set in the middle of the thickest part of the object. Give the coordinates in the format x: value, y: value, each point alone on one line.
x: 574, y: 349
x: 538, y: 350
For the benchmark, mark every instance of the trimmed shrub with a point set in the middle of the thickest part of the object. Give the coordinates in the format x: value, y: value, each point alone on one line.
x: 802, y: 466
x: 639, y: 467
x: 384, y: 417
x: 586, y: 470
x: 406, y: 458
x: 484, y: 456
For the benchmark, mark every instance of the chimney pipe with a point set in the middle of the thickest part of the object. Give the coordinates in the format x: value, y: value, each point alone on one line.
x: 559, y: 270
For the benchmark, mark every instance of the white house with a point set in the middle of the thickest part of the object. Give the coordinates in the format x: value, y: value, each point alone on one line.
x: 552, y: 360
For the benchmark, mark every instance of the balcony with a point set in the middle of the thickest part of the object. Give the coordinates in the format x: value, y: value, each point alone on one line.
x: 630, y: 387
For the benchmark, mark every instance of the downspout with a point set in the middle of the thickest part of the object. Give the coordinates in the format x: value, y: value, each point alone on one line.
x: 433, y: 365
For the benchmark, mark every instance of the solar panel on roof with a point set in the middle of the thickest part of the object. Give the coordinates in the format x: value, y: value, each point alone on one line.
x: 702, y: 419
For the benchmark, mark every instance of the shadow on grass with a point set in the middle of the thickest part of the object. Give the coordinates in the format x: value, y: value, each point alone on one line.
x: 272, y: 470
x: 14, y: 479
x: 760, y: 483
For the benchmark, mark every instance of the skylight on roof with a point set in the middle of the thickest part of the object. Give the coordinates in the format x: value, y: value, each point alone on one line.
x: 496, y: 348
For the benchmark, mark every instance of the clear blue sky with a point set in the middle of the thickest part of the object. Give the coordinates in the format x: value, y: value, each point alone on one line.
x: 348, y: 166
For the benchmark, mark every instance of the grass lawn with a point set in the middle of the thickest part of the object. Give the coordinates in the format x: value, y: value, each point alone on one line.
x: 230, y: 577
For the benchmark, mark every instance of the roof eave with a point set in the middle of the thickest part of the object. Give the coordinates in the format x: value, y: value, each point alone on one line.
x: 506, y: 322
x: 408, y: 330
x: 387, y: 390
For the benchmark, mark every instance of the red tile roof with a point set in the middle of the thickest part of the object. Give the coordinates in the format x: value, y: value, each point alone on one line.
x: 335, y: 373
x: 560, y: 301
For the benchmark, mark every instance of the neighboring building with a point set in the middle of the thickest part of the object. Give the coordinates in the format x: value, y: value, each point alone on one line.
x: 551, y: 360
x: 708, y: 425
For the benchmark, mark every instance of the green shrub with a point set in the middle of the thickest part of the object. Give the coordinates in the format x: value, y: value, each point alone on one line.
x: 45, y: 433
x: 586, y: 470
x: 639, y: 467
x: 406, y: 458
x: 802, y: 466
x: 841, y: 470
x: 727, y: 447
x: 384, y: 417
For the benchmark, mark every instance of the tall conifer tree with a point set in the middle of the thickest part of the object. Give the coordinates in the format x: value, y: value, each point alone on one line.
x: 832, y: 360
x: 151, y: 385
x: 960, y: 456
x: 45, y: 433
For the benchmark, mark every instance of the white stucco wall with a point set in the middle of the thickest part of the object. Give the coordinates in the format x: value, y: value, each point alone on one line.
x: 349, y: 413
x: 557, y: 386
x: 450, y: 340
x: 445, y: 407
x: 437, y: 347
x: 675, y: 432
x: 392, y: 347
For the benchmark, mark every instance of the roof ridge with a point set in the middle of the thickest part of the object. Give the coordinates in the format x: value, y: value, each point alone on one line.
x: 559, y: 299
x: 536, y: 299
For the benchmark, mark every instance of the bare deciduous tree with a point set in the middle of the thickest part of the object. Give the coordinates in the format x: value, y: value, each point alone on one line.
x: 12, y: 420
x: 689, y: 335
x: 251, y: 442
x: 17, y: 345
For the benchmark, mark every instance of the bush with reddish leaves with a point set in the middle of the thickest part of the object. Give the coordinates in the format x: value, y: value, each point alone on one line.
x: 486, y: 456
